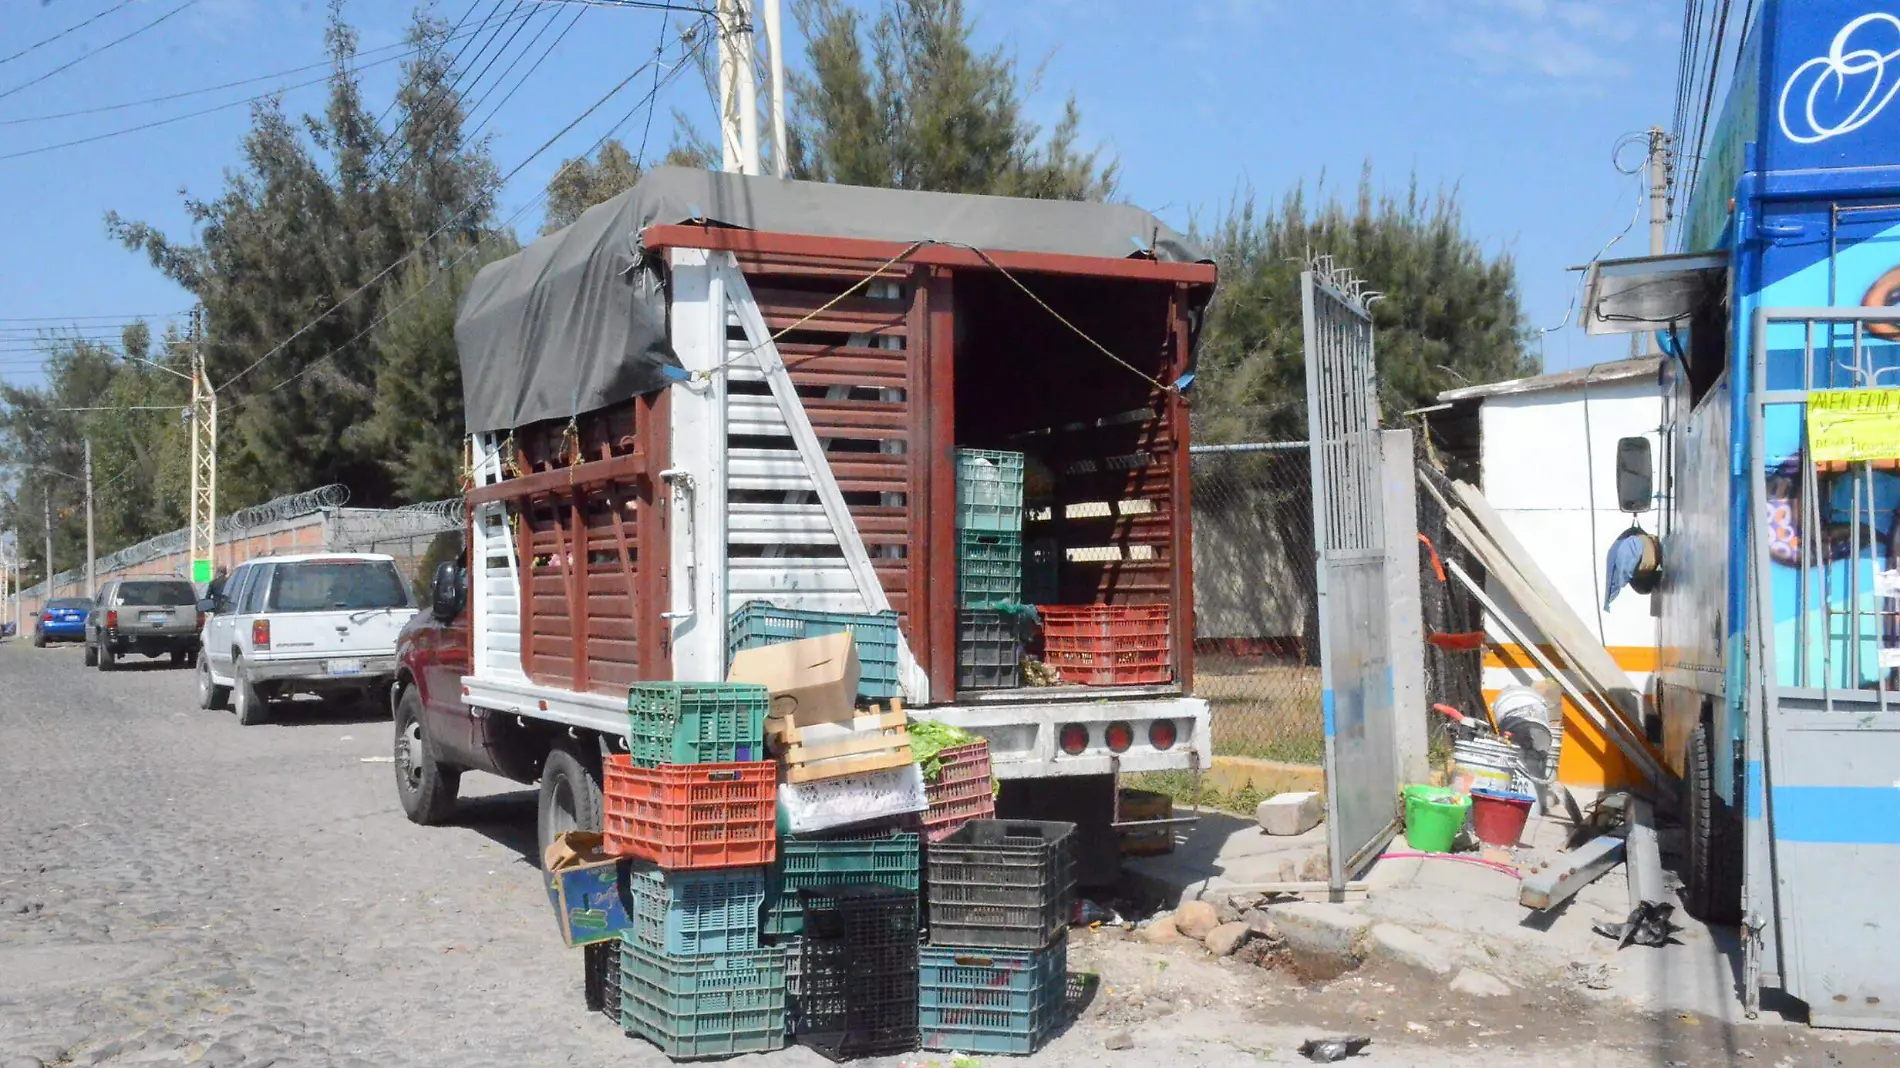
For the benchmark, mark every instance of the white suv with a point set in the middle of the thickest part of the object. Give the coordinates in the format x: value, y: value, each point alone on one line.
x: 320, y: 623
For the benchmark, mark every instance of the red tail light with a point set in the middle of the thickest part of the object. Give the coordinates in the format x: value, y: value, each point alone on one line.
x: 1073, y: 739
x: 1119, y: 737
x: 112, y: 620
x: 260, y: 633
x: 201, y: 621
x: 1161, y: 734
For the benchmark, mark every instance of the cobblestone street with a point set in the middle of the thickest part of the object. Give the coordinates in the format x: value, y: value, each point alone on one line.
x: 179, y: 890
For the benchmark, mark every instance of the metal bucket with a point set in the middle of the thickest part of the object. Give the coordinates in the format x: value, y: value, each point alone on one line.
x: 1484, y: 764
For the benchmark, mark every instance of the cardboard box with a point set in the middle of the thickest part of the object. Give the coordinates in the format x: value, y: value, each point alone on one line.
x: 587, y: 888
x: 814, y: 680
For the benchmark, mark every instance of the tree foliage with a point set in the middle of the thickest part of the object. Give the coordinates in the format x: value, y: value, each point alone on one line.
x: 1448, y: 316
x: 909, y: 103
x: 313, y: 221
x: 581, y: 183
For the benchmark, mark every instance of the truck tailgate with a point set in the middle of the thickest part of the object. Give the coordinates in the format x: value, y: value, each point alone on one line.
x: 338, y: 634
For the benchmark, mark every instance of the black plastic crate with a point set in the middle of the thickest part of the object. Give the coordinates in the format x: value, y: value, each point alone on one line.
x: 1042, y: 571
x: 600, y: 978
x: 857, y: 933
x: 1007, y: 884
x: 858, y: 977
x: 989, y: 651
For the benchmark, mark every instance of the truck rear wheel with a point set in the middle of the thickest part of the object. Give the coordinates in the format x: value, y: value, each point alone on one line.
x: 570, y: 796
x: 1712, y: 875
x: 245, y: 700
x: 211, y: 696
x: 425, y: 786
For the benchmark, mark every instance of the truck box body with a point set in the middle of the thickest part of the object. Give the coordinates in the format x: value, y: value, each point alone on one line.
x: 675, y: 411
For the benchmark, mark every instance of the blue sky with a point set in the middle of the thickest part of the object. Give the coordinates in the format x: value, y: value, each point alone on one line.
x: 1516, y: 102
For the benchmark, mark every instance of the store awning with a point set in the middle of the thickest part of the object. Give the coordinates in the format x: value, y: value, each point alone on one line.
x: 1645, y: 293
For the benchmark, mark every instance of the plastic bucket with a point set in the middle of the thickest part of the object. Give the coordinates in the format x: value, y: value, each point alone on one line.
x: 1433, y: 817
x: 1497, y: 817
x: 1484, y: 764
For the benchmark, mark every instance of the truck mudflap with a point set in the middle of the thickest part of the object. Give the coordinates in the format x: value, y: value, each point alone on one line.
x: 1054, y: 738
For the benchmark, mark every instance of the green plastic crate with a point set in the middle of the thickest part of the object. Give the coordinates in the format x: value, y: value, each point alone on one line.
x: 810, y: 863
x: 989, y: 568
x: 990, y: 490
x: 758, y: 623
x: 717, y: 1005
x: 689, y: 913
x: 696, y: 722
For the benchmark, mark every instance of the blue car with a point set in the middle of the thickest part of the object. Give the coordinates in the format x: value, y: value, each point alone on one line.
x: 64, y: 620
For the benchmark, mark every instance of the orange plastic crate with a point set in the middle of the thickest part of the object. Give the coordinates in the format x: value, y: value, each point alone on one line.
x: 1108, y: 645
x: 963, y: 790
x: 686, y: 817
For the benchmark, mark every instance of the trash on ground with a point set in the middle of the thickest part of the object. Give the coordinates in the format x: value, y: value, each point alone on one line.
x: 1329, y: 1050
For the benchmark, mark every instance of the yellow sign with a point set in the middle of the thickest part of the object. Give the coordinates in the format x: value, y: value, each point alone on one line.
x: 1850, y: 425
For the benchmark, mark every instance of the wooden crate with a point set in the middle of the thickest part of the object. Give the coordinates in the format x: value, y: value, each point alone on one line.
x: 880, y: 739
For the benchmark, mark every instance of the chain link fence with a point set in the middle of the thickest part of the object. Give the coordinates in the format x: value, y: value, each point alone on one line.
x: 1256, y: 637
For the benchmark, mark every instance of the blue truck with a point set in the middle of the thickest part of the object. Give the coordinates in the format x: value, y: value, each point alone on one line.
x: 1778, y: 698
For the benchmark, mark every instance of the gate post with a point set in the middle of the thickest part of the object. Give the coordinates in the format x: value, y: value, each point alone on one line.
x: 1405, y: 630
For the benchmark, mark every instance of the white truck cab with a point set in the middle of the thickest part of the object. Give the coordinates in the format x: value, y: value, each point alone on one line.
x: 318, y: 623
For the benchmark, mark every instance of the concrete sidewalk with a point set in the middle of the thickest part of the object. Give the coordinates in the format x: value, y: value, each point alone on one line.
x: 1446, y: 915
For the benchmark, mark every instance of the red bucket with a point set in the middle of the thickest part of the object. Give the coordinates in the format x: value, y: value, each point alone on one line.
x: 1498, y: 818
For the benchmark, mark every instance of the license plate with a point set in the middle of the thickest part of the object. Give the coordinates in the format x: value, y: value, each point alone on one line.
x: 156, y: 617
x: 344, y: 667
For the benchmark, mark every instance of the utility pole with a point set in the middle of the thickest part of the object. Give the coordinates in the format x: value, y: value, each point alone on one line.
x: 738, y: 89
x: 92, y: 565
x: 775, y: 49
x: 1659, y: 166
x: 203, y: 417
x: 46, y: 593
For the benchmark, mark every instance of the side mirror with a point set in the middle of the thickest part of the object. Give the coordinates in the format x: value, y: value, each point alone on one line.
x: 446, y: 594
x: 1635, y: 479
x: 207, y: 604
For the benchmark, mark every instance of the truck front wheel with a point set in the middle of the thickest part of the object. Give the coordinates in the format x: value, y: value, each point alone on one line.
x: 425, y: 785
x: 570, y: 796
x: 1712, y: 875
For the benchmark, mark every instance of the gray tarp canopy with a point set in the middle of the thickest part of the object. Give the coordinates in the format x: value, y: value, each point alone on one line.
x: 577, y: 320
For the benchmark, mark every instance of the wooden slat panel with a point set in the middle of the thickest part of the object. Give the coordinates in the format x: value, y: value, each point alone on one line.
x: 855, y: 314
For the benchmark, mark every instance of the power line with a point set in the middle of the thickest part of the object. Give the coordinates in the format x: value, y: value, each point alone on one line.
x: 390, y: 144
x: 79, y: 318
x: 383, y: 139
x: 37, y: 45
x: 552, y: 45
x: 424, y: 243
x: 102, y: 48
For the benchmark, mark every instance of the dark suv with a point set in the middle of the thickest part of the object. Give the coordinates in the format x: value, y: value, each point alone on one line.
x: 151, y: 617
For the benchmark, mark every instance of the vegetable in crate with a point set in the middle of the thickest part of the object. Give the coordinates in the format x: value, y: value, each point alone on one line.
x: 928, y: 738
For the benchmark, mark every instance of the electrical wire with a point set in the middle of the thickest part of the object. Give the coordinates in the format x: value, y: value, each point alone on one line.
x: 437, y: 94
x: 405, y: 52
x: 383, y: 140
x: 68, y: 65
x: 454, y: 98
x: 556, y: 43
x: 37, y: 45
x: 425, y: 242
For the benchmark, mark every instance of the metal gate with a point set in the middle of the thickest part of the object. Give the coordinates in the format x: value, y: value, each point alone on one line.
x: 1342, y: 410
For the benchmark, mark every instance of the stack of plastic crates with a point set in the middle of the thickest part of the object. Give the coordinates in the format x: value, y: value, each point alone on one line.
x: 989, y: 567
x: 992, y: 979
x: 858, y: 990
x: 963, y: 790
x: 695, y: 802
x: 824, y: 863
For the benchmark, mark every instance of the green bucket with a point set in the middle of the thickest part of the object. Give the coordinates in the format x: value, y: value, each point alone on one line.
x: 1433, y: 817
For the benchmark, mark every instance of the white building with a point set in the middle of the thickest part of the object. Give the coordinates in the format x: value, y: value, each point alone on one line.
x: 1545, y: 450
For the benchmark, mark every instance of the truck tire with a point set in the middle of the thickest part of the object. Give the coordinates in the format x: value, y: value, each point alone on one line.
x: 92, y: 655
x: 424, y: 784
x: 180, y: 657
x: 107, y: 659
x: 211, y: 696
x: 1712, y: 865
x: 570, y: 797
x: 245, y: 700
x: 39, y: 638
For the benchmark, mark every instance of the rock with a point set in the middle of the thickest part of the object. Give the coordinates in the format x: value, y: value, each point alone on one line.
x: 1288, y: 814
x: 1195, y: 918
x: 1261, y: 924
x: 1227, y: 912
x: 1119, y: 1040
x: 1405, y: 946
x: 1243, y: 902
x: 1317, y: 869
x: 1227, y: 938
x: 1480, y: 984
x: 1160, y: 931
x: 1322, y: 929
x: 22, y: 1062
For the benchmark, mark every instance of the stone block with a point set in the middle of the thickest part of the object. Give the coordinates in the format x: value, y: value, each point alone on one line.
x: 1289, y: 814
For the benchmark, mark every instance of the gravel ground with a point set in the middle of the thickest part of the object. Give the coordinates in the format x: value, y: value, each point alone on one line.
x: 175, y: 889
